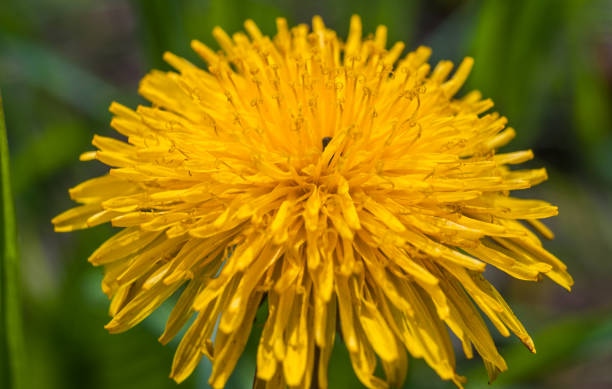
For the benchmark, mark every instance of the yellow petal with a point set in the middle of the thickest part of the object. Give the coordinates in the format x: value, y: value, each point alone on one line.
x: 228, y: 347
x: 298, y: 341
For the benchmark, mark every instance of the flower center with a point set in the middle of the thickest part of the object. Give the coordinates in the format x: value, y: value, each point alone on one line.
x: 325, y: 141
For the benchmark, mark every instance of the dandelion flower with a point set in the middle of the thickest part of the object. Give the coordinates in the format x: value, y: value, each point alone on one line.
x: 342, y: 185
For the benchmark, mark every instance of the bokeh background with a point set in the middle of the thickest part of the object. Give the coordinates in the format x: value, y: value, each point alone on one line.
x: 547, y: 64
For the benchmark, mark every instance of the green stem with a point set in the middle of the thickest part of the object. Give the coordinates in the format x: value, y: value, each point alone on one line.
x: 11, y: 336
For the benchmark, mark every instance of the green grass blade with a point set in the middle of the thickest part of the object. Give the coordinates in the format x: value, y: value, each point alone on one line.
x: 11, y: 342
x: 560, y: 345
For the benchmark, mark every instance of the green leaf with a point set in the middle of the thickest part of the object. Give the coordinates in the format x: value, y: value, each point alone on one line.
x: 11, y: 342
x: 33, y: 64
x: 559, y: 345
x: 591, y: 92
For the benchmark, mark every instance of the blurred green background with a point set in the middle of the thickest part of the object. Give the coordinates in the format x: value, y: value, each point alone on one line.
x: 547, y: 64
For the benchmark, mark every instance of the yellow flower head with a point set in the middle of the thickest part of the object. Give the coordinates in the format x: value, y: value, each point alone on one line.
x: 332, y: 180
